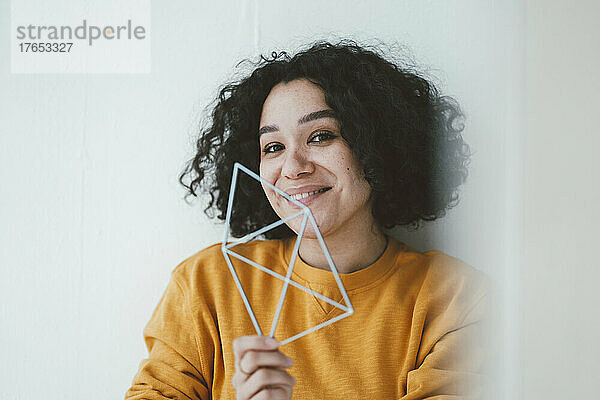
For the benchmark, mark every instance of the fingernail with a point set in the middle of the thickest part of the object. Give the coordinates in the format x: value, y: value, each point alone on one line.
x: 272, y: 342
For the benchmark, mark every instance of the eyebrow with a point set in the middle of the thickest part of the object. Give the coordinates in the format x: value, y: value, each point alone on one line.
x: 307, y: 118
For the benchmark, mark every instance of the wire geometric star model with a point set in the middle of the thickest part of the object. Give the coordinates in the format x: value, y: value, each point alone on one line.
x: 227, y: 252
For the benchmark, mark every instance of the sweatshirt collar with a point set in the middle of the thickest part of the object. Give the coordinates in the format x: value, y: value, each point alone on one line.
x: 369, y: 275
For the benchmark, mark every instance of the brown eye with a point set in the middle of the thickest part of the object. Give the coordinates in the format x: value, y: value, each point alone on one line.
x: 322, y: 136
x: 272, y: 148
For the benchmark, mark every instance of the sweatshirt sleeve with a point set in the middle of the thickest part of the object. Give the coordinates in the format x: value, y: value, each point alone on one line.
x: 173, y: 367
x: 456, y: 366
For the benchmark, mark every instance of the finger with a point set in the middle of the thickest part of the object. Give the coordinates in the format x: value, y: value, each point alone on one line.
x: 252, y: 360
x: 274, y: 393
x: 265, y: 377
x: 287, y: 390
x: 238, y: 378
x: 244, y: 343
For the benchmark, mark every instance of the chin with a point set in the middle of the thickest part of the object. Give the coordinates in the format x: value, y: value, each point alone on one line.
x: 320, y: 216
x: 309, y: 231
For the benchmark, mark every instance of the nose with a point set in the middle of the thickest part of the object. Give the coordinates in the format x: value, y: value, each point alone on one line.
x: 297, y: 163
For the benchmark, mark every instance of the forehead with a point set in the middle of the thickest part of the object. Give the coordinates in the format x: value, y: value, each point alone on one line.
x: 287, y: 102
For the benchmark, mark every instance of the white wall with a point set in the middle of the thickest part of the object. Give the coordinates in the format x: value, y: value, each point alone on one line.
x: 92, y: 220
x: 561, y: 321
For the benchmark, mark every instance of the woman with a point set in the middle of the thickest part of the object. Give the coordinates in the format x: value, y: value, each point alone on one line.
x: 366, y: 144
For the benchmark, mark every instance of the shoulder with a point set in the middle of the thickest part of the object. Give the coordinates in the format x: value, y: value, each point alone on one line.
x: 446, y: 271
x: 207, y: 268
x: 452, y: 287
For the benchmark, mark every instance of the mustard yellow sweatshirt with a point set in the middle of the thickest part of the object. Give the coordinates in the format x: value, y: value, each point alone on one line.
x: 417, y: 331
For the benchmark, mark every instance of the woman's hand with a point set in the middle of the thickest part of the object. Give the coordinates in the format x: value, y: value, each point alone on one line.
x: 260, y: 369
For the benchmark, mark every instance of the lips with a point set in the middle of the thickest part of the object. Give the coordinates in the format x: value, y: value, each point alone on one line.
x: 304, y: 195
x: 307, y: 195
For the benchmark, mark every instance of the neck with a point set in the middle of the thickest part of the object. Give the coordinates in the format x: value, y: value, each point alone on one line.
x: 351, y: 250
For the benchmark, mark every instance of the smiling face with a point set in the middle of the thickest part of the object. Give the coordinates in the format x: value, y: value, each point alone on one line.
x: 304, y: 154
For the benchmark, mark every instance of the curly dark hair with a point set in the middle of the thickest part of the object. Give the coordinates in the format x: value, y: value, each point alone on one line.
x: 406, y: 135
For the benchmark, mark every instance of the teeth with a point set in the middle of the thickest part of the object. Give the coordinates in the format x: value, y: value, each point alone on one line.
x: 305, y: 195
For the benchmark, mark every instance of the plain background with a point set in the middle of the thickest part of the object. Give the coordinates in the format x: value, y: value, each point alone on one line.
x: 92, y: 220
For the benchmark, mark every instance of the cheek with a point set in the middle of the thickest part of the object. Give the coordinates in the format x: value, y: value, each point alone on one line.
x: 266, y: 173
x: 365, y: 191
x: 270, y: 196
x: 268, y: 170
x: 356, y: 178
